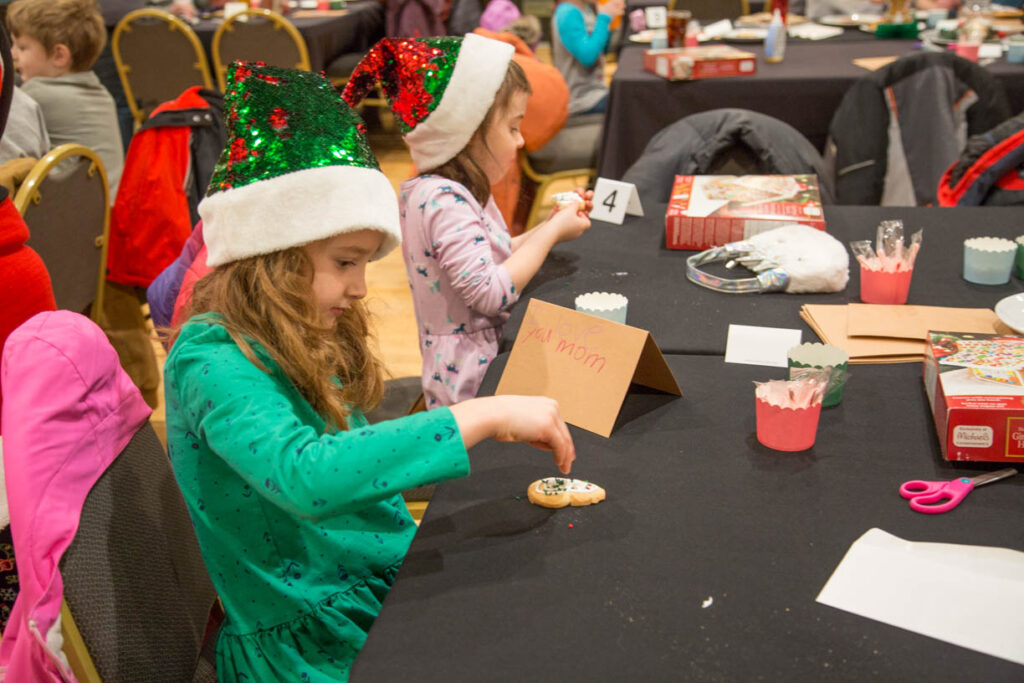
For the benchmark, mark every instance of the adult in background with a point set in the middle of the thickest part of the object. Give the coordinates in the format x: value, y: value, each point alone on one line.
x: 579, y: 37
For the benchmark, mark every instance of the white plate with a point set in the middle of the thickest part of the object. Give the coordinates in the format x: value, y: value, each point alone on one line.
x: 745, y: 35
x: 850, y: 20
x: 647, y: 35
x: 1011, y: 311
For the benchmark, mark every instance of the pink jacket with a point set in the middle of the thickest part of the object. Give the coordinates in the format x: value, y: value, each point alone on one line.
x: 69, y: 410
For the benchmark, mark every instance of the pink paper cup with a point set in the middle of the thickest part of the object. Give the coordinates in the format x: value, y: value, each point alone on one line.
x: 883, y: 287
x: 787, y: 429
x: 968, y: 50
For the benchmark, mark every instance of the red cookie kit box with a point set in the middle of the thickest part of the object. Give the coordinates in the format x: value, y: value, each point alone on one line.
x: 711, y: 210
x: 692, y: 63
x: 975, y: 388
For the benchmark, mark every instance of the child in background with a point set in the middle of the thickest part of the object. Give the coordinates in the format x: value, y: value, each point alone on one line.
x: 294, y: 497
x: 579, y: 38
x: 56, y: 43
x: 461, y: 116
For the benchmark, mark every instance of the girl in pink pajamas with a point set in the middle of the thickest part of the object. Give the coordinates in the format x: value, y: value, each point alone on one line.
x: 460, y: 102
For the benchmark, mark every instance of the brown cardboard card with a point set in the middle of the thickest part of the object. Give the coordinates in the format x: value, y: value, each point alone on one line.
x: 584, y: 362
x: 830, y: 323
x: 913, y: 322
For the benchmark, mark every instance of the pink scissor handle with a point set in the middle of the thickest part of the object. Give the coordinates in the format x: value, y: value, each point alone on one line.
x: 933, y: 497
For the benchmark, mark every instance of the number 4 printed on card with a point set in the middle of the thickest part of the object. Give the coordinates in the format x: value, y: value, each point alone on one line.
x: 613, y: 199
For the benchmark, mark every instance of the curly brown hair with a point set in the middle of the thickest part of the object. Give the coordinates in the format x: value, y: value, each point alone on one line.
x: 75, y: 23
x: 269, y: 299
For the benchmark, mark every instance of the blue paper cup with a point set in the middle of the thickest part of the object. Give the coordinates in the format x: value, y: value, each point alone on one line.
x: 935, y: 16
x: 607, y: 305
x: 988, y: 260
x: 1018, y: 261
x: 1015, y: 50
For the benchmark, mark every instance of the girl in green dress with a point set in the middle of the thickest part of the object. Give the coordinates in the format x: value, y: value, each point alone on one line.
x: 294, y: 496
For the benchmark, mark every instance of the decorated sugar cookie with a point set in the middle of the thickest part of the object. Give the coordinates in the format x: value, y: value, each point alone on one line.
x: 557, y: 492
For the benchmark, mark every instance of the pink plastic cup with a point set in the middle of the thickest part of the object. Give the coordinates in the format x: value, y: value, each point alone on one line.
x: 787, y: 429
x: 883, y: 287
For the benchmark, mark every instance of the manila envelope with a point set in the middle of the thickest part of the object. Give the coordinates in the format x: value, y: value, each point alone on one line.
x: 830, y: 323
x: 584, y: 362
x: 913, y: 322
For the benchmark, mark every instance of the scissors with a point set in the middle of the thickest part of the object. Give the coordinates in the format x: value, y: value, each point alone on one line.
x: 933, y: 497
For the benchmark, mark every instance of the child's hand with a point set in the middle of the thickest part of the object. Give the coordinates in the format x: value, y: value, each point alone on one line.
x: 613, y: 8
x: 568, y: 224
x: 537, y: 421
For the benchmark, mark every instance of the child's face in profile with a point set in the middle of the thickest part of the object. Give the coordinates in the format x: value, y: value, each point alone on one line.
x: 496, y: 151
x: 339, y: 270
x: 31, y: 60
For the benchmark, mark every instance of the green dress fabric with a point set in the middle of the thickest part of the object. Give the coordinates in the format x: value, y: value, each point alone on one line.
x: 302, y: 532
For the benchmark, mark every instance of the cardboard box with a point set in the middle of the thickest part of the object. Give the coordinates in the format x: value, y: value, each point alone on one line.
x: 975, y: 388
x: 711, y: 210
x: 706, y: 61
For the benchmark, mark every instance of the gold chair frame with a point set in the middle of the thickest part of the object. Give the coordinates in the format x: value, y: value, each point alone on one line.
x: 75, y: 649
x: 29, y: 194
x: 544, y: 182
x: 175, y: 24
x: 280, y: 23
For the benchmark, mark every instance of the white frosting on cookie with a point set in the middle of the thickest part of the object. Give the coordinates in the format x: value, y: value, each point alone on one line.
x: 553, y: 486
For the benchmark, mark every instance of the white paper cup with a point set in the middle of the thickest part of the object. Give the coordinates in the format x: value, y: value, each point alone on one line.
x: 607, y: 305
x: 233, y: 8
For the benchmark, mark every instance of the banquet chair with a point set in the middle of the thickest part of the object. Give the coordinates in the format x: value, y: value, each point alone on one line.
x: 724, y: 142
x: 64, y: 202
x: 105, y: 506
x: 712, y: 9
x: 137, y: 597
x: 258, y: 35
x: 571, y: 154
x: 158, y: 56
x: 898, y: 129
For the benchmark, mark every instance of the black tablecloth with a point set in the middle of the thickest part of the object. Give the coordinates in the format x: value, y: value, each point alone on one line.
x: 684, y: 318
x: 804, y: 91
x: 327, y: 37
x: 494, y: 588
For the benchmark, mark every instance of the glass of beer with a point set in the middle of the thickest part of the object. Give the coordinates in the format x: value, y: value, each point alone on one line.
x: 677, y: 21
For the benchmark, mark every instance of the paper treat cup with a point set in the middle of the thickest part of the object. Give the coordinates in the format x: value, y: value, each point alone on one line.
x: 787, y: 429
x: 1018, y: 261
x: 883, y: 287
x: 822, y: 356
x: 606, y: 305
x: 988, y: 260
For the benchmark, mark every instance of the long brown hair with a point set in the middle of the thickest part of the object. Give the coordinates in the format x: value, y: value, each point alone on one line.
x: 462, y: 168
x: 269, y: 299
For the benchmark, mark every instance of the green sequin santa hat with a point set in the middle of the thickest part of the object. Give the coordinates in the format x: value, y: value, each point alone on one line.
x: 296, y: 169
x: 440, y: 89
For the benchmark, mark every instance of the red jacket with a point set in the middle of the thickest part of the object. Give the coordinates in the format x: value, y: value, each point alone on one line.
x: 151, y: 219
x: 24, y: 283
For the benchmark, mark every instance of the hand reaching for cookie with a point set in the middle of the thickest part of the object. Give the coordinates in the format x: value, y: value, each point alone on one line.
x: 535, y: 420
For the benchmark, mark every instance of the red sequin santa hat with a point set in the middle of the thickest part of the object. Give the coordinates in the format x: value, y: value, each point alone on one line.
x: 440, y: 89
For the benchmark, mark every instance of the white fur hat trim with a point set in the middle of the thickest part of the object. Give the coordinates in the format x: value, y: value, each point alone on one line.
x: 479, y: 72
x: 298, y: 208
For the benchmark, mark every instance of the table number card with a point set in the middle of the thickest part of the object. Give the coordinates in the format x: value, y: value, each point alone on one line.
x: 655, y: 17
x: 613, y: 199
x: 584, y: 362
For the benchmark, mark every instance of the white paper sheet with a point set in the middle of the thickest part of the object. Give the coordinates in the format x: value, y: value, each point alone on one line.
x: 972, y: 596
x: 752, y: 345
